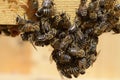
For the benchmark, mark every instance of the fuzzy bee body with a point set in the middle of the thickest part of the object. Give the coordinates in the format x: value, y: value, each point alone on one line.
x: 64, y: 22
x: 27, y: 25
x: 47, y: 9
x: 116, y: 29
x: 60, y: 56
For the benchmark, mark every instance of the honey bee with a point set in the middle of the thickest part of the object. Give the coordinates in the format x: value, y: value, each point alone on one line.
x: 93, y: 5
x: 47, y: 36
x: 77, y: 53
x: 117, y: 7
x: 62, y: 35
x: 27, y: 25
x: 54, y: 21
x: 116, y: 29
x: 102, y: 27
x: 20, y: 21
x: 82, y: 65
x: 27, y: 28
x: 93, y: 57
x: 71, y: 69
x: 109, y: 4
x: 39, y: 43
x: 112, y: 17
x: 92, y: 46
x: 68, y: 69
x: 30, y: 26
x: 33, y: 4
x: 55, y: 43
x: 51, y: 34
x: 117, y: 10
x: 73, y: 28
x: 26, y: 35
x: 92, y: 9
x: 64, y: 22
x: 87, y: 25
x: 93, y: 16
x: 47, y: 9
x: 65, y: 73
x: 83, y: 2
x: 65, y: 42
x: 102, y: 4
x: 79, y: 37
x: 32, y: 8
x: 82, y: 11
x: 59, y: 56
x: 74, y: 71
x: 14, y: 31
x: 44, y: 26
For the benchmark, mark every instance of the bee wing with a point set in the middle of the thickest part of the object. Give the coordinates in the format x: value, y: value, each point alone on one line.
x: 50, y: 58
x: 31, y: 41
x: 62, y: 78
x: 98, y: 52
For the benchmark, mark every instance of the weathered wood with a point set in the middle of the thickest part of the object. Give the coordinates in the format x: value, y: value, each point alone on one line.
x: 9, y: 9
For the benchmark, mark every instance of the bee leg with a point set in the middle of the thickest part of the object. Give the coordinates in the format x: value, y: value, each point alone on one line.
x: 31, y: 41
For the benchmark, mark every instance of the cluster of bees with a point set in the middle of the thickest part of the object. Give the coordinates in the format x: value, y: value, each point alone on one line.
x: 9, y: 30
x: 75, y: 42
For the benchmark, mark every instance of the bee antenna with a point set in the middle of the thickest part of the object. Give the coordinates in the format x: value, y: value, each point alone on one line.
x: 25, y: 17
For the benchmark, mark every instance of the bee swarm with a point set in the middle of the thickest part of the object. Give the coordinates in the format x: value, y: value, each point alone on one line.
x: 75, y: 42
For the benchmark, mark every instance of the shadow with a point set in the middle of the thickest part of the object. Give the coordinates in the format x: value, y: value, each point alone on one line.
x: 32, y: 8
